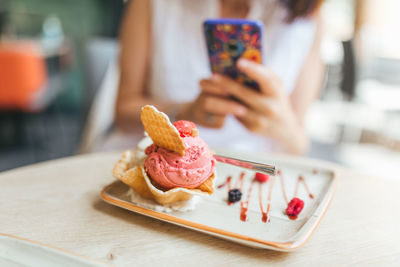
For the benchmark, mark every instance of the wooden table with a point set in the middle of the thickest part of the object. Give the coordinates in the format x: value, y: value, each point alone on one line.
x: 58, y: 203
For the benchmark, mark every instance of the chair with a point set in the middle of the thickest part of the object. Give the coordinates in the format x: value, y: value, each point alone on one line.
x: 101, y: 54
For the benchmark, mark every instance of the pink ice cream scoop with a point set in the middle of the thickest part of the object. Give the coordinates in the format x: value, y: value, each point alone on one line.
x: 169, y: 169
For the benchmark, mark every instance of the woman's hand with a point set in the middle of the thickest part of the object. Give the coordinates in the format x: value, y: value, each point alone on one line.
x: 211, y: 106
x: 268, y: 112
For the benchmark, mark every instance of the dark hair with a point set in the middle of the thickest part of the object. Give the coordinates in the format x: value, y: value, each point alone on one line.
x: 300, y: 8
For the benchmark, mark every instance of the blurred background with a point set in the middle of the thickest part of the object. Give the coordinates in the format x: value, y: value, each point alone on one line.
x: 54, y: 57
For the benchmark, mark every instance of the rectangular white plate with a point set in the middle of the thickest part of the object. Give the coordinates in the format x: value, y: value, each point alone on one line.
x: 213, y: 216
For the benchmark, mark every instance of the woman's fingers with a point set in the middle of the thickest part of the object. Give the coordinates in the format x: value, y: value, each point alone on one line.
x: 222, y: 106
x: 254, y: 122
x: 269, y: 83
x: 248, y: 96
x: 212, y: 120
x: 211, y: 110
x: 207, y: 86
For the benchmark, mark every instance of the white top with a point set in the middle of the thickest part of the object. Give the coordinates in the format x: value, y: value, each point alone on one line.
x: 179, y: 60
x: 179, y: 57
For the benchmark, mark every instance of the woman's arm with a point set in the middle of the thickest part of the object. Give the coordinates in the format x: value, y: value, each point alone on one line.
x: 310, y: 78
x: 308, y: 86
x: 134, y: 63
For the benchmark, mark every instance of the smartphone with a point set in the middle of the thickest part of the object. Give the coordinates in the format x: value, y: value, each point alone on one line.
x: 230, y: 39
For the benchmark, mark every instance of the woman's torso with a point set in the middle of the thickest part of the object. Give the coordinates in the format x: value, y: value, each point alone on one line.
x: 179, y: 57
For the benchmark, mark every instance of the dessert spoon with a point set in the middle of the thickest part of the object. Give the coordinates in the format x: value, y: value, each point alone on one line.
x: 260, y: 167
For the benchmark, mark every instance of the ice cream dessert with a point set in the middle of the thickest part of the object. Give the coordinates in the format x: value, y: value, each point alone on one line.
x: 169, y: 170
x: 175, y: 166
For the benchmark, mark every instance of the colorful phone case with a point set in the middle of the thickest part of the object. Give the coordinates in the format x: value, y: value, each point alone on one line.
x: 230, y: 39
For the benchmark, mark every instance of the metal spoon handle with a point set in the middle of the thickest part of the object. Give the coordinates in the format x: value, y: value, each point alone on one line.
x: 260, y: 167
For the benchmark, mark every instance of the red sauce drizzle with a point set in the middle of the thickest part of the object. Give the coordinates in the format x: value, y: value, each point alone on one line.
x: 271, y: 186
x: 283, y: 186
x: 239, y: 182
x: 314, y: 171
x: 264, y: 214
x: 244, y: 205
x: 300, y: 179
x: 227, y: 182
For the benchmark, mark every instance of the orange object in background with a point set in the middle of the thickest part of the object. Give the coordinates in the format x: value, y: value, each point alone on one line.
x: 23, y: 74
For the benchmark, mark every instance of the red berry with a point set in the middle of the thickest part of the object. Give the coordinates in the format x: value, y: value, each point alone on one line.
x: 294, y: 207
x: 186, y: 128
x: 150, y: 149
x: 261, y: 177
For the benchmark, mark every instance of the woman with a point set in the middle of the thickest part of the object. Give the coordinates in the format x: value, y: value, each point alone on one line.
x: 164, y: 62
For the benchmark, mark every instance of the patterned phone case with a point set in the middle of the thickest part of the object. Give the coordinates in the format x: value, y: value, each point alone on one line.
x: 230, y: 39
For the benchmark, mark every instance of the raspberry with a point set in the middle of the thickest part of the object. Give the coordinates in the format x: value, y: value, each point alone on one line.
x: 150, y: 149
x: 294, y: 207
x: 186, y: 128
x: 234, y: 195
x: 261, y: 177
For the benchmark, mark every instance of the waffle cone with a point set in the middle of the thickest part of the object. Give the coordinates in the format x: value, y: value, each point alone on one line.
x: 175, y: 194
x: 161, y: 130
x: 132, y: 177
x: 208, y: 185
x: 125, y: 163
x: 136, y: 178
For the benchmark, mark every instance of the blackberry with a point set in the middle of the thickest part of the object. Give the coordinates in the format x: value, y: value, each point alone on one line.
x: 234, y: 195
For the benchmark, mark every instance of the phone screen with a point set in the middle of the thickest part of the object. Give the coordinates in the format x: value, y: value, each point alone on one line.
x: 230, y: 39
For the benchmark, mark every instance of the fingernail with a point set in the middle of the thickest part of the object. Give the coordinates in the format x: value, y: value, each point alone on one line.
x: 243, y: 62
x: 215, y: 77
x: 240, y: 111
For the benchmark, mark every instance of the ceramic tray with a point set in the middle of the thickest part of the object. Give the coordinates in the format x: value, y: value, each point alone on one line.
x: 214, y: 216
